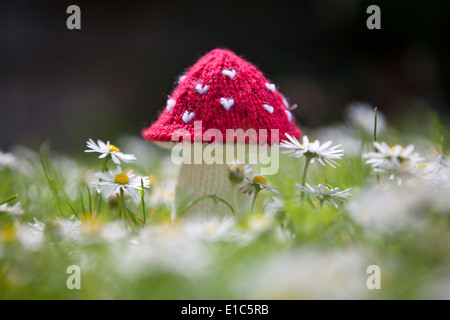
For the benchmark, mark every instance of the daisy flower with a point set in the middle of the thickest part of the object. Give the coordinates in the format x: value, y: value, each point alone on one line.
x: 434, y: 173
x: 107, y: 149
x: 70, y: 228
x: 31, y: 235
x: 37, y: 225
x: 312, y: 150
x: 362, y: 115
x: 7, y: 160
x: 324, y: 193
x: 237, y: 172
x: 213, y: 229
x: 398, y: 162
x: 257, y: 184
x: 114, y: 182
x: 13, y: 210
x: 387, y: 158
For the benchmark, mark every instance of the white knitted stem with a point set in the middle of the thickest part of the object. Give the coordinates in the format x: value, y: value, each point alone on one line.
x: 197, y: 180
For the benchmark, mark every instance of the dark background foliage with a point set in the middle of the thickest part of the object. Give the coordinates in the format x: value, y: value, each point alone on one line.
x: 113, y: 76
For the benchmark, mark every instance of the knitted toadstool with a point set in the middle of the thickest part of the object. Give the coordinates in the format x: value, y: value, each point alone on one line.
x: 223, y: 91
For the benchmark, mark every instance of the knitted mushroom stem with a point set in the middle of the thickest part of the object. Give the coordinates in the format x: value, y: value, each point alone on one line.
x: 198, y: 180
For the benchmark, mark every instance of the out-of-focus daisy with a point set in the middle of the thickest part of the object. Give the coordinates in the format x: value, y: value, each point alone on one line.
x: 397, y: 162
x: 255, y: 225
x: 31, y: 235
x: 212, y: 229
x: 362, y: 114
x: 7, y: 160
x: 387, y: 158
x: 273, y: 206
x: 391, y: 208
x: 113, y: 231
x: 312, y: 150
x: 324, y: 193
x: 70, y: 228
x: 163, y: 193
x: 237, y: 171
x: 15, y: 210
x: 166, y: 249
x: 343, y: 135
x: 307, y: 274
x: 37, y: 225
x: 435, y: 173
x: 260, y: 222
x: 113, y: 182
x: 257, y: 184
x: 107, y: 149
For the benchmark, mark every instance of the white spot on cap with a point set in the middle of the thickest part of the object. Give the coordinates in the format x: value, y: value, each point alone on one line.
x: 289, y: 115
x: 181, y: 78
x: 202, y: 90
x: 187, y: 116
x: 227, y: 103
x: 268, y: 108
x: 286, y: 103
x: 229, y: 73
x: 170, y: 104
x: 271, y: 87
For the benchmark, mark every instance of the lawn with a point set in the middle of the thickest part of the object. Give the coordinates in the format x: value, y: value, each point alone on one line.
x: 384, y: 234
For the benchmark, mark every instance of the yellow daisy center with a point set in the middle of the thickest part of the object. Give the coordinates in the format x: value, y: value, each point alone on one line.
x: 259, y: 179
x: 237, y: 169
x: 121, y: 178
x: 393, y: 148
x: 422, y: 165
x: 152, y: 181
x: 210, y: 229
x: 9, y: 234
x: 113, y: 148
x: 404, y: 164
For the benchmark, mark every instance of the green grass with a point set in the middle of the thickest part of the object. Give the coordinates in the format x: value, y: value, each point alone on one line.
x: 158, y: 261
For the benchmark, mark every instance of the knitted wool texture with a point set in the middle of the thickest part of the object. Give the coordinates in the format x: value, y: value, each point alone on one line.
x: 224, y: 91
x: 196, y: 180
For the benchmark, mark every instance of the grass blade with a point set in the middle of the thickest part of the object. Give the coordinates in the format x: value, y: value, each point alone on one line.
x: 8, y: 199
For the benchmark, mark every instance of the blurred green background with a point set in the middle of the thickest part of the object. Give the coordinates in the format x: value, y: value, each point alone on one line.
x: 113, y: 76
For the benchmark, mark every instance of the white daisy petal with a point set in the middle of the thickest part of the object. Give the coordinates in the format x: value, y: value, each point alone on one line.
x: 315, y: 150
x: 305, y: 140
x: 106, y: 149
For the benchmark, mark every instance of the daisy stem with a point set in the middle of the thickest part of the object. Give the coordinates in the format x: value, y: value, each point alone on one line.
x: 235, y: 205
x: 98, y: 198
x: 142, y: 201
x: 375, y: 134
x: 375, y: 125
x: 305, y: 171
x: 254, y: 200
x: 8, y: 199
x: 123, y: 202
x: 321, y: 204
x: 104, y: 164
x: 90, y: 200
x: 119, y: 201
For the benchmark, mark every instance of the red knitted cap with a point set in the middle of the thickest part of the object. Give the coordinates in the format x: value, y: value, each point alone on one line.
x: 224, y: 91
